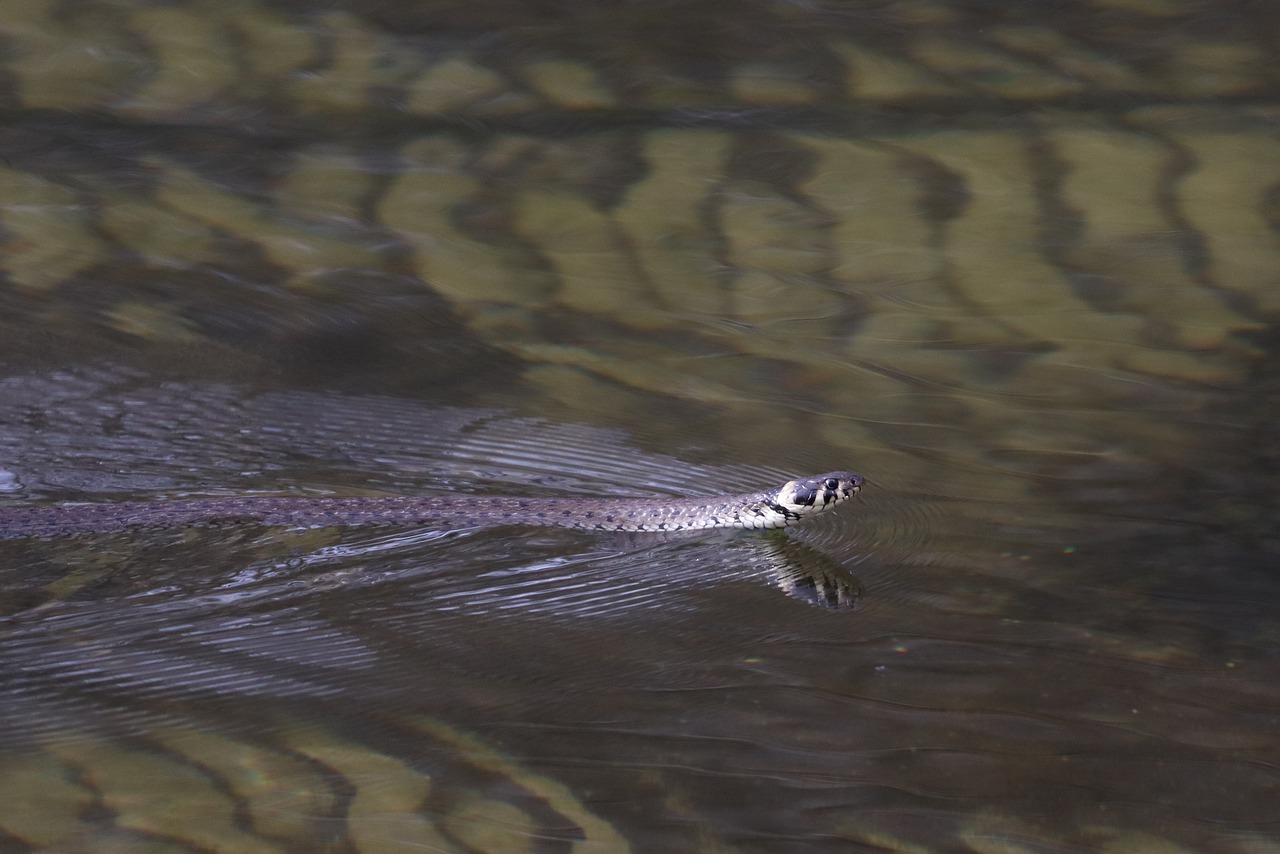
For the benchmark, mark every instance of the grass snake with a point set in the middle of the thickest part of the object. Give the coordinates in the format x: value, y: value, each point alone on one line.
x: 773, y: 508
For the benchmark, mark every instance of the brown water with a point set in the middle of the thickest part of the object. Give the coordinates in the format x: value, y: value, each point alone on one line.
x: 1016, y: 264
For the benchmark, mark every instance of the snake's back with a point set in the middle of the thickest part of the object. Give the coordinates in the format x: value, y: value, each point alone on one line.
x: 774, y: 508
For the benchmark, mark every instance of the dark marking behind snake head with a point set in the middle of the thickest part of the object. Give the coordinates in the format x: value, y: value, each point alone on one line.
x: 820, y: 491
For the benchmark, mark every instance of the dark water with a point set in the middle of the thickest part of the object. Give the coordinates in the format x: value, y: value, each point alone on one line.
x: 1016, y: 264
x: 988, y: 683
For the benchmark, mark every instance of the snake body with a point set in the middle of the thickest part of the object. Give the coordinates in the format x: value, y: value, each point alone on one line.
x: 774, y: 508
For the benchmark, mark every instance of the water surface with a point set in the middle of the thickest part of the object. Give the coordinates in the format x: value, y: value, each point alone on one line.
x: 1016, y: 265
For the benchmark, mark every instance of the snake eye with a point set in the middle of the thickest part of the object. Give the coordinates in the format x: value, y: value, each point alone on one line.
x: 831, y: 483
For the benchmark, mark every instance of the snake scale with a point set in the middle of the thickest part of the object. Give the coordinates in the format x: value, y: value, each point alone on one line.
x: 774, y: 508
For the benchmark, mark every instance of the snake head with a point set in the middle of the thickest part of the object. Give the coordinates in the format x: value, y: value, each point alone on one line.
x: 812, y: 494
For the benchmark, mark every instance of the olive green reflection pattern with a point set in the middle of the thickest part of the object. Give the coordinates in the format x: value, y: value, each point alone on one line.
x: 307, y: 789
x: 994, y: 250
x: 1006, y: 238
